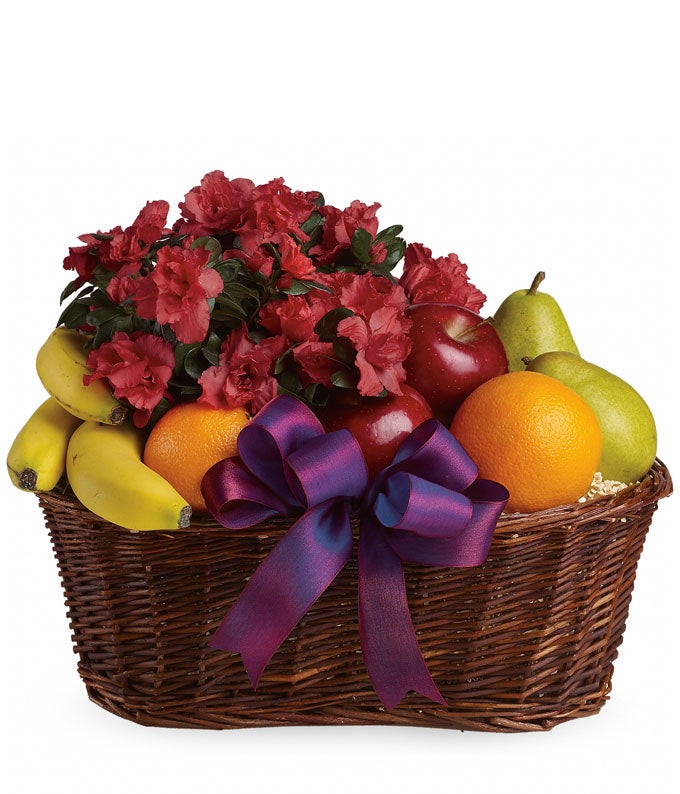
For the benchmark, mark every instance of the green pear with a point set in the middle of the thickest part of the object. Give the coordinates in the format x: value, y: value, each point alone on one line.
x: 529, y: 323
x: 627, y: 424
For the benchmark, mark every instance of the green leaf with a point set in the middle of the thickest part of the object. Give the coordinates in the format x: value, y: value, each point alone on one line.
x: 389, y: 232
x: 314, y: 222
x: 70, y: 288
x: 158, y: 411
x: 103, y: 315
x: 395, y: 251
x: 228, y: 309
x: 169, y: 240
x: 104, y: 332
x: 181, y: 351
x: 194, y: 362
x: 362, y: 242
x: 210, y: 356
x: 327, y: 327
x: 213, y: 343
x: 168, y: 334
x: 96, y: 298
x: 74, y: 315
x: 318, y: 285
x: 228, y: 269
x: 290, y: 381
x: 316, y: 394
x: 344, y: 351
x: 242, y: 291
x: 345, y: 378
x: 283, y: 362
x: 297, y: 287
x: 190, y: 390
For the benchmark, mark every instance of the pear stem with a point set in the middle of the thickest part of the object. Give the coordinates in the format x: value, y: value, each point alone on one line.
x: 537, y: 280
x: 527, y: 360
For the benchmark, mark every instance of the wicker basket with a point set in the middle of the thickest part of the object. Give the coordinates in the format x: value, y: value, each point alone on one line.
x: 523, y: 642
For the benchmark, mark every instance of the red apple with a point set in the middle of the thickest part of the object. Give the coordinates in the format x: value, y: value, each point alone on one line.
x: 379, y: 424
x: 453, y: 351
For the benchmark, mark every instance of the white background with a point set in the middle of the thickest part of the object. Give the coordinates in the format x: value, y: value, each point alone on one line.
x: 522, y: 136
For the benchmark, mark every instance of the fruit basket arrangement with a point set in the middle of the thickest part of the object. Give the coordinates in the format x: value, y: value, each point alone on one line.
x: 286, y: 486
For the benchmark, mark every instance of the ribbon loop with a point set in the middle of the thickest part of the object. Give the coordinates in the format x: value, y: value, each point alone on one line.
x: 283, y: 425
x: 420, y: 506
x: 431, y: 449
x: 326, y: 468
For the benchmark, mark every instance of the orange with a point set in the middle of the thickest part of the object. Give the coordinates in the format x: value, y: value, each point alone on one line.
x: 187, y: 440
x: 534, y: 435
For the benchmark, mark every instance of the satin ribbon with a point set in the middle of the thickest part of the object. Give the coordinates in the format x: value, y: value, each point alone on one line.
x: 428, y: 507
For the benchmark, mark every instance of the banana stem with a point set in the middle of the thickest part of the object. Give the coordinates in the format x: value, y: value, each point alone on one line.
x: 28, y: 479
x: 537, y: 280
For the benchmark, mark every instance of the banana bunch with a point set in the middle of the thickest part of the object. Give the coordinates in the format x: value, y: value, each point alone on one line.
x: 105, y: 469
x: 37, y: 458
x: 79, y: 430
x: 61, y: 364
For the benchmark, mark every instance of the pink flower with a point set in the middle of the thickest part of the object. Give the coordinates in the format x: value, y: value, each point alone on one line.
x: 272, y: 211
x: 244, y: 374
x: 293, y: 261
x: 316, y: 361
x: 339, y: 227
x: 367, y: 293
x: 321, y: 302
x: 215, y: 205
x: 177, y: 291
x: 83, y: 258
x: 291, y: 317
x: 119, y: 250
x: 128, y: 246
x: 119, y: 289
x: 442, y: 280
x: 137, y: 367
x: 382, y: 345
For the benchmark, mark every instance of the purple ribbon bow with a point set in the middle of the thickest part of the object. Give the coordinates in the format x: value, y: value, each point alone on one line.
x: 428, y: 507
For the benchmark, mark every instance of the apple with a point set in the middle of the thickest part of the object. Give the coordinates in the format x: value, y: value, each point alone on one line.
x: 453, y: 351
x: 379, y: 424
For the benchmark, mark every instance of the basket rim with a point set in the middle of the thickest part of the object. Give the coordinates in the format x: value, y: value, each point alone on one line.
x: 655, y: 485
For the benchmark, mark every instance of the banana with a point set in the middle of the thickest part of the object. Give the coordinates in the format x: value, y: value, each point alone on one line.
x: 105, y: 469
x: 61, y: 366
x: 37, y: 458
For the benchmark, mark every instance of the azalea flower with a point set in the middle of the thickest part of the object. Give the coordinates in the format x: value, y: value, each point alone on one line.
x: 291, y: 318
x: 215, y: 205
x: 442, y: 280
x: 382, y: 345
x: 339, y: 227
x: 176, y: 293
x: 137, y: 367
x: 244, y: 374
x: 119, y: 250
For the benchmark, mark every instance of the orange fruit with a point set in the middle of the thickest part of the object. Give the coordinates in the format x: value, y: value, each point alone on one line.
x: 187, y: 440
x: 534, y: 435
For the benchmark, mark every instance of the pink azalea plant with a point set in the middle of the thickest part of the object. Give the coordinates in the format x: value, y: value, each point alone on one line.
x: 254, y: 290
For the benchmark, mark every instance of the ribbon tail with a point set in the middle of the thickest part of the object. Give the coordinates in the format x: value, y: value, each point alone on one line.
x: 285, y: 585
x: 389, y: 645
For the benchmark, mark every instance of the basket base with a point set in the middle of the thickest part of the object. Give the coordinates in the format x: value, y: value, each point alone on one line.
x: 479, y: 717
x: 524, y: 642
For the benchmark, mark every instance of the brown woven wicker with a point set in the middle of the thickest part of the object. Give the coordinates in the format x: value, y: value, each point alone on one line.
x: 524, y: 642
